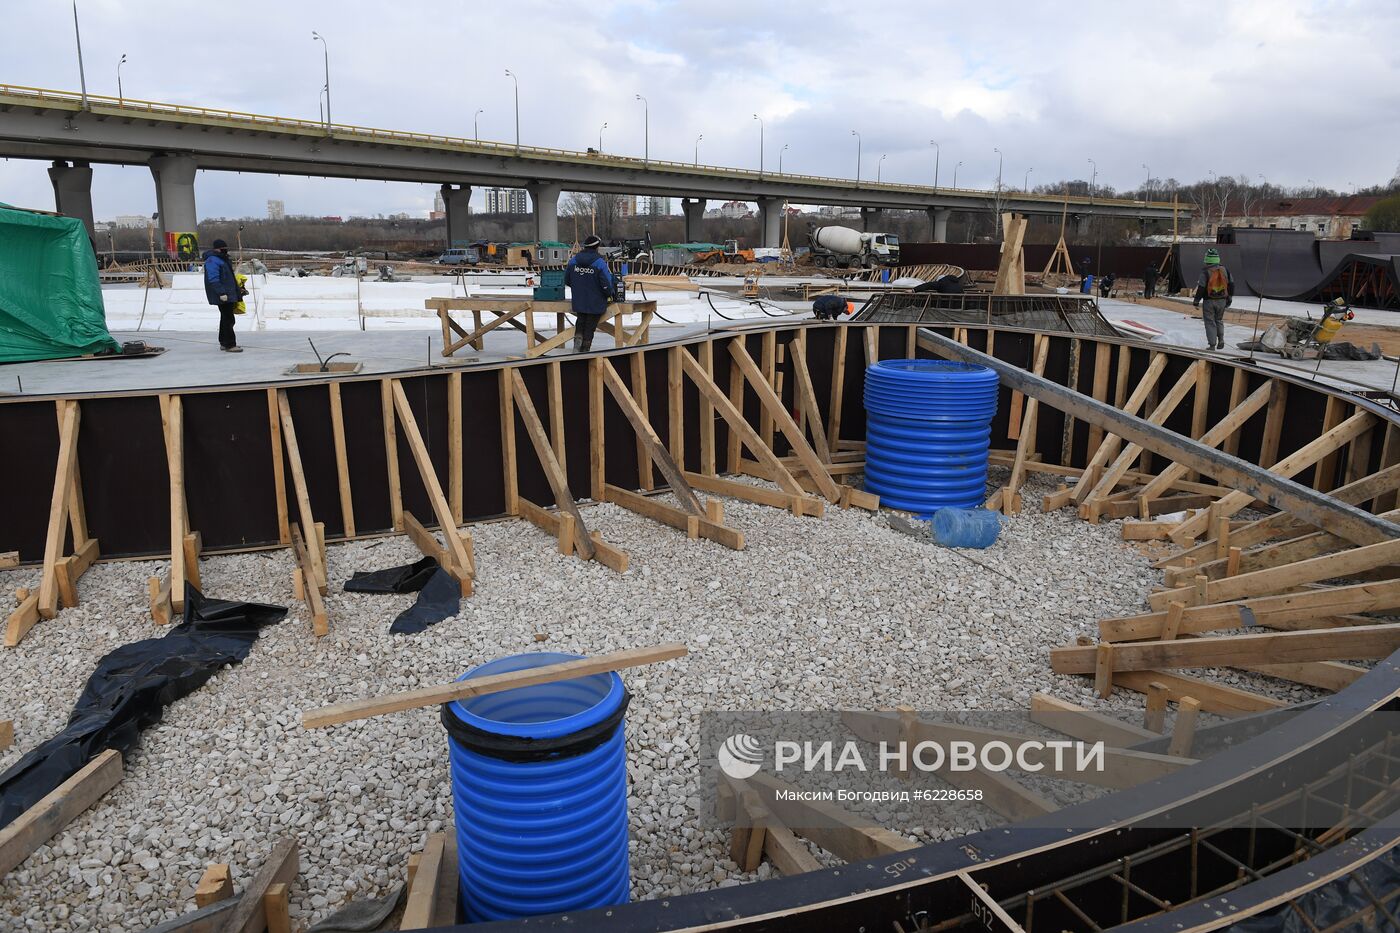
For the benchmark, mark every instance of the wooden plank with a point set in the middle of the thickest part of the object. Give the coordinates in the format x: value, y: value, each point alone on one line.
x: 650, y: 444
x: 1286, y: 611
x: 675, y: 409
x: 461, y: 558
x: 7, y: 734
x: 391, y: 451
x: 838, y: 388
x: 1184, y: 729
x: 1224, y: 429
x: 780, y: 415
x: 158, y: 593
x: 73, y: 566
x: 250, y: 916
x: 739, y: 429
x: 596, y: 458
x: 639, y: 394
x: 1362, y: 642
x: 558, y: 483
x: 1067, y: 435
x: 1273, y: 427
x: 796, y: 504
x: 481, y: 686
x: 1325, y: 474
x: 746, y: 838
x: 445, y: 907
x: 299, y: 488
x: 1239, y: 384
x: 768, y: 356
x: 1214, y: 698
x: 173, y: 420
x: 1155, y: 719
x: 707, y: 410
x: 216, y: 884
x: 736, y: 402
x: 58, y: 808
x: 676, y: 518
x: 1324, y: 675
x: 1359, y: 455
x: 838, y: 832
x: 1200, y: 405
x: 454, y: 445
x: 807, y: 399
x: 422, y: 891
x: 279, y: 478
x: 320, y: 624
x: 59, y: 502
x: 342, y: 459
x: 277, y: 908
x: 1085, y: 724
x: 508, y: 465
x: 1102, y: 363
x: 1352, y: 523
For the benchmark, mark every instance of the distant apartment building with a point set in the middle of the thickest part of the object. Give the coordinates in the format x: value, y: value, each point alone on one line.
x: 735, y: 210
x: 655, y: 207
x: 507, y: 201
x: 132, y: 221
x: 627, y: 205
x: 439, y: 211
x: 1332, y: 218
x: 276, y: 210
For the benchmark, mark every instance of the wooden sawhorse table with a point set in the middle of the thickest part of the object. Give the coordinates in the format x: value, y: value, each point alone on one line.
x: 520, y: 314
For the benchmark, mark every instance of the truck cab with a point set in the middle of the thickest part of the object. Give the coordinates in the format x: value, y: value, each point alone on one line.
x: 884, y: 249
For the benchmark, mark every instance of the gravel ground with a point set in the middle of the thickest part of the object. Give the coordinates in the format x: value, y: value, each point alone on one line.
x: 841, y: 612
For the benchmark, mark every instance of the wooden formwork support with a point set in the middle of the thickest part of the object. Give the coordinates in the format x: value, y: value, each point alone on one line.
x: 1222, y: 431
x: 158, y: 593
x: 303, y: 495
x: 1214, y: 698
x: 61, y: 514
x: 216, y: 884
x: 637, y: 363
x: 419, y: 908
x: 794, y: 503
x: 544, y: 450
x: 838, y: 389
x: 342, y: 459
x: 758, y: 825
x: 305, y: 584
x: 458, y: 542
x: 649, y: 444
x: 446, y: 556
x: 1363, y: 642
x: 692, y: 525
x: 281, y: 867
x: 1108, y: 448
x: 391, y: 450
x: 1085, y: 724
x: 841, y: 833
x: 58, y: 808
x: 7, y: 734
x: 807, y: 398
x: 279, y: 472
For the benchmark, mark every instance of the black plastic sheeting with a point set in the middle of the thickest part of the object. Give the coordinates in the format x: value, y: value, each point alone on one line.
x: 439, y: 596
x: 1347, y: 898
x: 130, y: 689
x: 1292, y: 265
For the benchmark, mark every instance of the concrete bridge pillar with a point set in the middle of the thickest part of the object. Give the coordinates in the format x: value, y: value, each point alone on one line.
x: 694, y: 209
x: 869, y: 215
x: 1081, y: 225
x: 938, y: 222
x: 545, y: 199
x: 174, y: 177
x: 456, y: 201
x: 770, y: 220
x: 72, y: 192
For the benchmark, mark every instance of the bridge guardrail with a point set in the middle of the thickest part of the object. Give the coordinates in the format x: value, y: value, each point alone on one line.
x: 68, y: 98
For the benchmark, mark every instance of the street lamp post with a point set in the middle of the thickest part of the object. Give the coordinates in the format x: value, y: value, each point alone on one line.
x: 760, y: 145
x: 955, y: 174
x: 120, y: 96
x: 600, y: 135
x: 646, y: 129
x: 697, y: 149
x: 78, y: 37
x: 476, y: 124
x: 780, y: 157
x: 326, y: 55
x: 879, y: 168
x: 1000, y: 159
x: 1026, y: 185
x: 1147, y: 185
x: 516, y: 82
x: 858, y: 142
x: 1093, y: 178
x: 937, y: 155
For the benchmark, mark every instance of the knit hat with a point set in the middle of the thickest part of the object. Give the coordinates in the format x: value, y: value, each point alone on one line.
x: 220, y: 244
x: 592, y: 242
x: 1212, y: 258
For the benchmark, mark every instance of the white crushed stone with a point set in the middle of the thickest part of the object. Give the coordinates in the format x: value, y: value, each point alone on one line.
x: 841, y: 612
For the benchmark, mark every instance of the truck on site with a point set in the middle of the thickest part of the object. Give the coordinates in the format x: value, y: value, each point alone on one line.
x: 843, y: 248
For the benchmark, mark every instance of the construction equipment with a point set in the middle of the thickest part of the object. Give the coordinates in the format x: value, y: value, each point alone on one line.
x: 731, y: 252
x: 841, y: 247
x: 1305, y: 338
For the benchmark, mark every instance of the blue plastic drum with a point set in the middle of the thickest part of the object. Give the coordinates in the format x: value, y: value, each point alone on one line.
x: 539, y: 790
x: 928, y: 433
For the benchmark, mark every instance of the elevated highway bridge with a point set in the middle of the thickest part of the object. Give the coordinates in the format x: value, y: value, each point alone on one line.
x: 176, y: 141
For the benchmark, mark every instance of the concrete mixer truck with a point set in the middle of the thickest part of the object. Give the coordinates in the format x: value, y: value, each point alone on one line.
x: 844, y: 248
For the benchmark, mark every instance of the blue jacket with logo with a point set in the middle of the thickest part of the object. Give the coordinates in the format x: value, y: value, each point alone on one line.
x: 590, y: 283
x: 219, y: 279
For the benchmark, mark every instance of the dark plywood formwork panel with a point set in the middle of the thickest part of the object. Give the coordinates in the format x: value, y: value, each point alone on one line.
x: 30, y: 432
x: 121, y: 453
x: 311, y: 416
x: 364, y: 443
x: 228, y: 468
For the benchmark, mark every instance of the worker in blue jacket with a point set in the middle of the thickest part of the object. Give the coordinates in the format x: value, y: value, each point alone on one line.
x: 222, y: 289
x: 591, y: 286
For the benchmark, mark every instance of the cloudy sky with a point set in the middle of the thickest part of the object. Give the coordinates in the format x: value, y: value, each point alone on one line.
x: 1293, y: 91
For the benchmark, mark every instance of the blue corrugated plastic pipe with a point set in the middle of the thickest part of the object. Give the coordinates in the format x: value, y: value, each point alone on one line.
x: 539, y: 790
x: 928, y: 433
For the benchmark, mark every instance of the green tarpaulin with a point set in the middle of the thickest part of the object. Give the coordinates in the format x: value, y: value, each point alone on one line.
x: 50, y: 298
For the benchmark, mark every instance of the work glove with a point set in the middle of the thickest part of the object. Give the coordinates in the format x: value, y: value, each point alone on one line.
x: 223, y: 298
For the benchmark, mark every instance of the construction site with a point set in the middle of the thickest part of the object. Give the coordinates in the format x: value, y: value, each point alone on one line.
x: 843, y: 581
